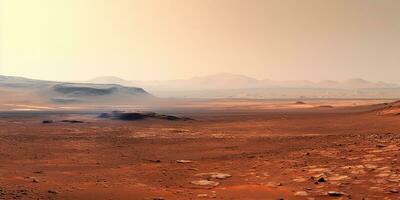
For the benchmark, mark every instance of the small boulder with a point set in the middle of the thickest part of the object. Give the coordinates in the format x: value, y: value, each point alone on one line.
x: 220, y: 176
x: 202, y: 195
x: 205, y: 183
x: 53, y: 191
x: 301, y: 193
x: 184, y: 161
x: 394, y: 191
x: 72, y: 121
x: 322, y: 180
x: 335, y: 194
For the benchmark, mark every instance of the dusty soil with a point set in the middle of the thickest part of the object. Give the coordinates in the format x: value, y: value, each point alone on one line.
x: 288, y: 153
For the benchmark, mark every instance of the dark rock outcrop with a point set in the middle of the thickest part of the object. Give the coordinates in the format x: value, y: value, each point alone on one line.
x: 133, y: 116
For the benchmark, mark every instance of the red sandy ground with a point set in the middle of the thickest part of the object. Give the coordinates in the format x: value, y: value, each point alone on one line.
x: 270, y: 154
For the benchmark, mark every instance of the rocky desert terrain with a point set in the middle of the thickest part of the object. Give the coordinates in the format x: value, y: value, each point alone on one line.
x: 333, y: 149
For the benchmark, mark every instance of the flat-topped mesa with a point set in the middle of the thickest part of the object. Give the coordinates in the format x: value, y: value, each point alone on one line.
x: 96, y: 89
x: 98, y: 93
x: 133, y: 116
x: 54, y: 92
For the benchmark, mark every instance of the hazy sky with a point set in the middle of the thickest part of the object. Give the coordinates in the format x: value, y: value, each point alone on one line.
x: 169, y: 39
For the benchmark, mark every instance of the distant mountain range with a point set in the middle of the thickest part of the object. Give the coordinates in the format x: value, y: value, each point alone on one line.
x: 238, y: 86
x: 23, y: 90
x: 233, y: 81
x: 117, y: 91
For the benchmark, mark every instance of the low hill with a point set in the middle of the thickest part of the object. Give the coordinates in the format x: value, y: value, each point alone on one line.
x: 390, y: 109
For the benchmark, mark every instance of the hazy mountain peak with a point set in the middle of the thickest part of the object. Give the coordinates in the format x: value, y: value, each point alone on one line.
x: 225, y: 76
x: 110, y: 80
x: 356, y: 80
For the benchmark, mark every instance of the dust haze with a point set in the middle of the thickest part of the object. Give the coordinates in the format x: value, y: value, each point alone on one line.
x: 199, y: 99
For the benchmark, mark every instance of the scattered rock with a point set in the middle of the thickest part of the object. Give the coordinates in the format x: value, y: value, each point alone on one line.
x: 394, y: 191
x: 184, y: 161
x: 382, y: 175
x: 72, y: 121
x: 215, y: 175
x: 155, y: 161
x: 202, y: 195
x: 273, y: 184
x: 319, y: 170
x: 338, y: 178
x: 370, y: 166
x: 205, y: 183
x: 33, y: 179
x: 322, y: 180
x: 220, y: 176
x: 300, y: 180
x: 47, y: 121
x: 335, y: 194
x: 301, y: 193
x: 53, y: 192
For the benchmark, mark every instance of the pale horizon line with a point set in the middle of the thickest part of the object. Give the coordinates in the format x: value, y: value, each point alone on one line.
x: 203, y: 76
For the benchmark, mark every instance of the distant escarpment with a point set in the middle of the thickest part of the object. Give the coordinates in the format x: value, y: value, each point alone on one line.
x: 17, y: 90
x: 101, y: 93
x: 82, y: 90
